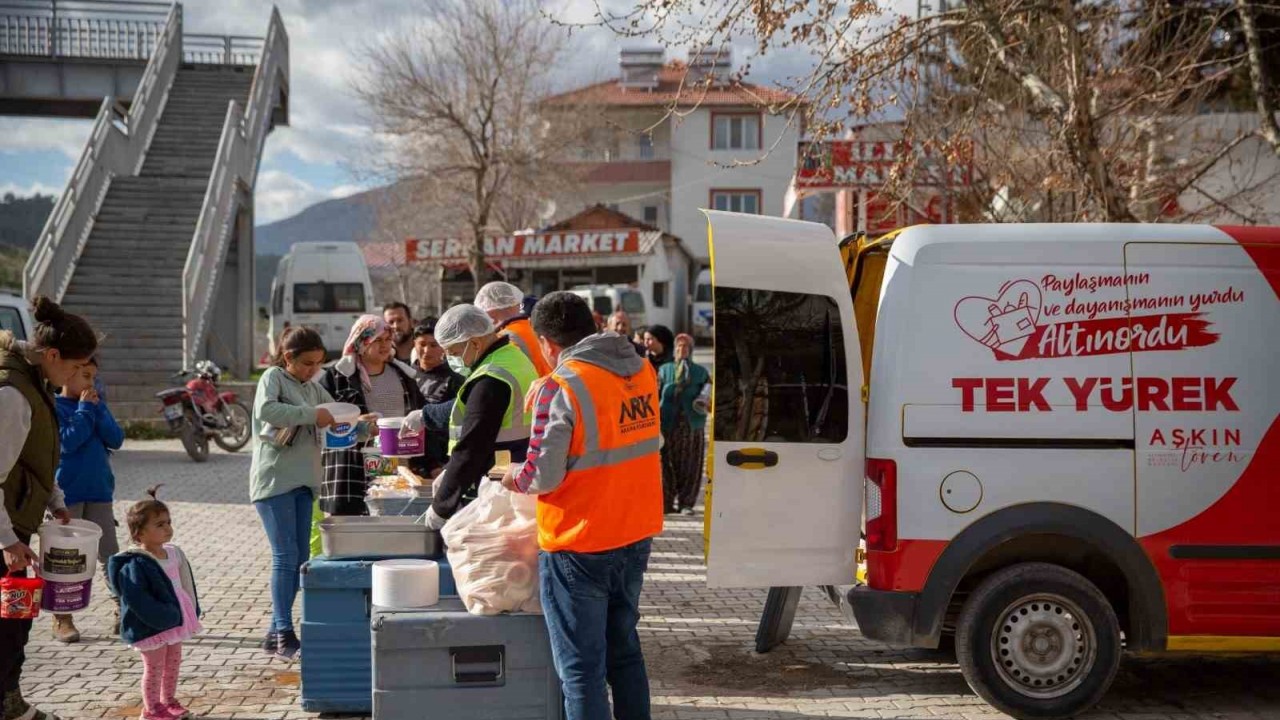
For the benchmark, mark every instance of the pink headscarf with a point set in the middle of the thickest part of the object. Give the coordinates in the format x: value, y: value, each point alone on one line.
x: 365, y: 330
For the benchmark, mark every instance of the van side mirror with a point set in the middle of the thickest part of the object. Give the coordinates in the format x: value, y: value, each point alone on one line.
x: 262, y: 313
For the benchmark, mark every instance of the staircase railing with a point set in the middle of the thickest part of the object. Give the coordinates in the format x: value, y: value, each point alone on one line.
x: 235, y: 168
x: 117, y: 146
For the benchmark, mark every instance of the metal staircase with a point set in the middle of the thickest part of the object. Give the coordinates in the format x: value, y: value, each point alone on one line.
x: 152, y: 240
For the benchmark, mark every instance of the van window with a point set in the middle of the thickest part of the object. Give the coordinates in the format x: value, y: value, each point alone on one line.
x: 10, y: 320
x: 602, y: 304
x: 328, y: 298
x: 633, y: 302
x: 277, y: 300
x: 702, y: 294
x: 780, y: 368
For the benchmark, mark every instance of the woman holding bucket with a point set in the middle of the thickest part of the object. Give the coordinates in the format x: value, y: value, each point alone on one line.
x: 369, y: 377
x: 61, y: 346
x: 285, y: 474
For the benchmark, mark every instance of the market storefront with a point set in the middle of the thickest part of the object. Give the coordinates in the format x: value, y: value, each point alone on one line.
x: 599, y: 246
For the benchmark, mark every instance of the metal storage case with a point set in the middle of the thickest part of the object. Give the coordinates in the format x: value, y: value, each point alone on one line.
x: 354, y: 537
x: 445, y: 663
x: 336, y: 607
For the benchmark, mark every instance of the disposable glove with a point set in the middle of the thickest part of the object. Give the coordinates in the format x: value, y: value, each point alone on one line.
x: 412, y: 424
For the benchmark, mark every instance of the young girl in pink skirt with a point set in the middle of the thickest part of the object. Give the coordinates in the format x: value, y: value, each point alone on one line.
x: 159, y: 606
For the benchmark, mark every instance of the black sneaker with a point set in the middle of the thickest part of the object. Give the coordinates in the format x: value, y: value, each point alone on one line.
x: 287, y: 645
x: 269, y: 643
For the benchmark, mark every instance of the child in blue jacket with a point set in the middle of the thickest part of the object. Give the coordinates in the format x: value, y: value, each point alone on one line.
x: 159, y: 605
x: 88, y: 433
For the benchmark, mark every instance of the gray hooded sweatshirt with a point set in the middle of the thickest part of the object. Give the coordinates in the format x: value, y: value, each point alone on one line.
x: 553, y: 415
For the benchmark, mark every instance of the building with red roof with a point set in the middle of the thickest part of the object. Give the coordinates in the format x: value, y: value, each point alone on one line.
x: 680, y: 136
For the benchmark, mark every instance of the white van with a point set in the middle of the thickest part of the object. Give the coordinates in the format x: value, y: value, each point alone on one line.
x: 702, y: 308
x: 608, y: 299
x: 323, y: 286
x: 1065, y: 438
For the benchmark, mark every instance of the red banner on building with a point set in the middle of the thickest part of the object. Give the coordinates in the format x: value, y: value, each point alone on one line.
x: 867, y: 163
x: 527, y: 246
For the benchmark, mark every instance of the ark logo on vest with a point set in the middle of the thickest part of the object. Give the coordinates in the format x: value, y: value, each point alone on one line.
x: 637, y: 413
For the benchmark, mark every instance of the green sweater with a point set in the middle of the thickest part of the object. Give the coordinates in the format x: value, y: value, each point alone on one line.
x: 676, y: 398
x: 282, y: 401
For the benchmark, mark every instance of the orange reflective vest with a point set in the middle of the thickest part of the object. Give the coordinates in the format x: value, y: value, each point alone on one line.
x: 522, y: 336
x: 611, y: 495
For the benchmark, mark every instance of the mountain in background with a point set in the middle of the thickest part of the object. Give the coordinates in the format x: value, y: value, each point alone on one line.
x: 348, y: 219
x: 22, y: 219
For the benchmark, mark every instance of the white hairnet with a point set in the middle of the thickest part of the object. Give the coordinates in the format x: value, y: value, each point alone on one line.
x: 461, y: 323
x: 499, y: 295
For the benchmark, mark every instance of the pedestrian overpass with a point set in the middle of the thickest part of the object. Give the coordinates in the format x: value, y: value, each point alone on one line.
x: 152, y: 238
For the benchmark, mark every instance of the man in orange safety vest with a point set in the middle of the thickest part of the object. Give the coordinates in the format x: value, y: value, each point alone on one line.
x: 594, y: 466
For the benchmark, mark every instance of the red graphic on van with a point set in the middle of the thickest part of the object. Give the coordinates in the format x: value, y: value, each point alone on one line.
x: 1006, y: 322
x: 1011, y: 325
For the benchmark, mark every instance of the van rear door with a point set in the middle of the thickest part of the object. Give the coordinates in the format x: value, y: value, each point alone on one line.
x: 1208, y: 434
x: 788, y: 433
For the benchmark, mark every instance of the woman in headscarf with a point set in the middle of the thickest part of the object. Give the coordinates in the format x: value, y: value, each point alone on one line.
x: 368, y: 376
x: 659, y: 341
x: 683, y: 407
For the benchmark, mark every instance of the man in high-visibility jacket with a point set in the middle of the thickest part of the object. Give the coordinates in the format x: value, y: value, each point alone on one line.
x: 504, y: 304
x: 488, y: 414
x: 593, y: 464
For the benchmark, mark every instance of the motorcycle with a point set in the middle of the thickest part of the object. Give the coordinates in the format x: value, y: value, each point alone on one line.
x: 197, y: 411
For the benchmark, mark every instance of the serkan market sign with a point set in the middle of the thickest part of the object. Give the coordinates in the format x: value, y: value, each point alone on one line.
x: 527, y: 246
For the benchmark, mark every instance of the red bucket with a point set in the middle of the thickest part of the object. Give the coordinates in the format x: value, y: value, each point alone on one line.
x: 20, y: 598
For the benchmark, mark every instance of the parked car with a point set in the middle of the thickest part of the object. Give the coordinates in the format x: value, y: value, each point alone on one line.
x: 15, y: 316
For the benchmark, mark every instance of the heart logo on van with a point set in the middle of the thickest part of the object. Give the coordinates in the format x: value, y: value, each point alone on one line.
x: 1003, y: 323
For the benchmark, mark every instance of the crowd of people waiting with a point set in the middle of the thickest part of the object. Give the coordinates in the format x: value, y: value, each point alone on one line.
x: 483, y: 379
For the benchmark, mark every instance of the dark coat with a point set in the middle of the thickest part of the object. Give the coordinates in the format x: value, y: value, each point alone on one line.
x: 148, y: 601
x: 344, y: 485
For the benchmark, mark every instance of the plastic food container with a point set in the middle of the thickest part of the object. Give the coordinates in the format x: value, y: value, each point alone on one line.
x: 341, y: 435
x: 20, y: 598
x: 375, y: 464
x: 378, y: 537
x: 411, y: 506
x: 394, y: 444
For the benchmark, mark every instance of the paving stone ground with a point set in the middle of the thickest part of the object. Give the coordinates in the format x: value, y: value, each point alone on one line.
x: 698, y: 641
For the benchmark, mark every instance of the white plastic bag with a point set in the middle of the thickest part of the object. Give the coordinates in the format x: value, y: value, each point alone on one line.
x: 493, y: 550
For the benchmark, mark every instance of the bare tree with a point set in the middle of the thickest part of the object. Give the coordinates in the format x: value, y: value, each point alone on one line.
x: 398, y: 215
x: 1261, y: 82
x: 1066, y: 110
x: 459, y: 96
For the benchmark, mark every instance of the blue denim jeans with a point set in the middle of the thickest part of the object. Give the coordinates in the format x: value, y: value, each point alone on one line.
x: 287, y: 520
x: 592, y: 605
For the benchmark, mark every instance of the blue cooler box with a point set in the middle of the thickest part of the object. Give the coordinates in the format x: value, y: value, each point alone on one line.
x: 337, y: 667
x: 443, y: 663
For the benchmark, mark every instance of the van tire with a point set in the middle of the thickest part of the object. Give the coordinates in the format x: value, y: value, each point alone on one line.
x: 1045, y: 597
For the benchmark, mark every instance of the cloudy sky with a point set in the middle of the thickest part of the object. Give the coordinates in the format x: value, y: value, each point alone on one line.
x: 319, y: 155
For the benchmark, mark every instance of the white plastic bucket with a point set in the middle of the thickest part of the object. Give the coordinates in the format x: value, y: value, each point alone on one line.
x: 341, y: 435
x: 68, y: 560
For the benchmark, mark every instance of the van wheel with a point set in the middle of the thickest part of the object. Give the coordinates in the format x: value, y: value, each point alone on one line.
x: 1038, y: 641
